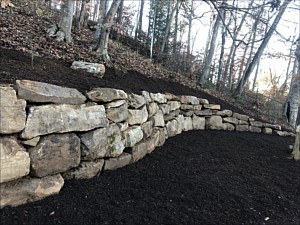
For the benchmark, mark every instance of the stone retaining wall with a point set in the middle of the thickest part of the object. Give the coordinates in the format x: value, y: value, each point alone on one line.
x: 51, y: 133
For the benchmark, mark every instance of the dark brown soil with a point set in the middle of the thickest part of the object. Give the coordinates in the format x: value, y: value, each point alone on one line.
x: 198, y: 177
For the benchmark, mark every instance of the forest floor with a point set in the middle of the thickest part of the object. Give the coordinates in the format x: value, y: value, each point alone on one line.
x: 198, y: 177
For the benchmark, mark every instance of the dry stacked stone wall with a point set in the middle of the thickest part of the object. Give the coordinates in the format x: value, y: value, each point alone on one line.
x: 51, y: 133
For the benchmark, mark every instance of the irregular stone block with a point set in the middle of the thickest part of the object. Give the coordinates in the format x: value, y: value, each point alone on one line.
x: 115, y: 104
x: 26, y: 190
x: 140, y: 150
x: 133, y: 136
x: 205, y: 112
x: 32, y: 142
x: 203, y: 101
x: 174, y: 105
x: 273, y: 126
x: 137, y: 116
x: 147, y: 97
x: 212, y: 106
x: 180, y: 120
x: 172, y: 128
x: 12, y: 111
x: 254, y: 129
x: 14, y: 160
x: 106, y: 94
x: 95, y: 68
x: 242, y: 122
x: 172, y: 97
x: 34, y: 91
x: 49, y: 119
x: 256, y: 124
x: 159, y: 136
x: 103, y: 142
x: 187, y: 124
x: 147, y: 128
x: 158, y: 119
x: 186, y: 99
x: 228, y: 126
x: 119, y: 162
x: 267, y: 130
x: 197, y: 107
x: 282, y: 133
x: 118, y: 114
x: 171, y: 115
x: 198, y: 122
x: 136, y: 101
x: 123, y: 126
x: 242, y: 128
x: 187, y: 113
x: 55, y: 153
x: 240, y: 116
x: 186, y: 107
x: 86, y: 170
x: 231, y: 120
x: 152, y: 108
x: 158, y: 97
x: 215, y: 123
x: 224, y: 113
x: 165, y: 108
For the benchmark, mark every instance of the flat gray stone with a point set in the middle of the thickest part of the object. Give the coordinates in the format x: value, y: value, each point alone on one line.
x: 133, y: 135
x: 118, y: 162
x: 231, y: 120
x: 106, y: 94
x: 242, y: 128
x: 240, y: 116
x: 137, y: 116
x: 136, y: 101
x: 198, y: 122
x: 186, y: 99
x: 215, y: 123
x: 118, y: 114
x: 34, y: 91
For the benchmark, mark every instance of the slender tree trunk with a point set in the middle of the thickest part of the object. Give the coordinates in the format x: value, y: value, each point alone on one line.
x: 105, y: 30
x: 66, y: 18
x: 153, y: 31
x: 255, y: 76
x: 261, y: 49
x: 218, y: 85
x: 82, y: 14
x: 102, y: 12
x: 138, y: 30
x: 175, y: 29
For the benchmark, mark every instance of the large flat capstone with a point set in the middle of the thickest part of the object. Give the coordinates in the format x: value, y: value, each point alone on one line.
x: 49, y: 119
x: 106, y: 94
x: 14, y: 160
x: 12, y: 111
x: 34, y: 91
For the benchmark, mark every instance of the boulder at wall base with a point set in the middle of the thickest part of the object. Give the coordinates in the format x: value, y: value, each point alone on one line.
x: 118, y: 162
x: 14, y: 160
x: 86, y: 170
x: 106, y: 94
x: 133, y: 135
x: 103, y: 142
x: 27, y: 189
x: 34, y: 91
x: 198, y: 122
x: 172, y: 128
x: 215, y: 123
x: 11, y: 121
x: 49, y: 119
x: 54, y: 154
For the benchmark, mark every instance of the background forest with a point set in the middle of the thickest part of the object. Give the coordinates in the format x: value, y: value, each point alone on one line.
x: 245, y: 51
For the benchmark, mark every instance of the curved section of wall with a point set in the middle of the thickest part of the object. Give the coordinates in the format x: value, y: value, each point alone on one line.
x: 51, y: 133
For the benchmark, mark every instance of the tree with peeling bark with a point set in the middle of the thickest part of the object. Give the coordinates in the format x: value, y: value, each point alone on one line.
x: 105, y: 31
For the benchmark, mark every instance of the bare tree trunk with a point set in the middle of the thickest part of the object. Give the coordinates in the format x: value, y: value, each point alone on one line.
x: 105, y: 30
x: 66, y: 17
x: 82, y: 14
x: 218, y: 85
x: 255, y: 76
x: 261, y: 49
x: 175, y: 29
x: 138, y: 30
x: 153, y: 32
x: 102, y: 12
x: 296, y: 148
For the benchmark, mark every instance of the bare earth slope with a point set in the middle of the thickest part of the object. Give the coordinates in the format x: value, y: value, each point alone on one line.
x: 199, y: 177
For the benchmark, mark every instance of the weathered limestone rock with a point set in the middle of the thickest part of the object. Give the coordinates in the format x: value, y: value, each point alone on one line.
x: 147, y: 128
x: 240, y: 116
x: 197, y: 107
x: 32, y: 142
x: 119, y: 162
x: 147, y: 97
x: 205, y: 112
x: 228, y: 126
x: 133, y: 136
x: 256, y: 124
x: 224, y: 113
x: 186, y: 99
x: 172, y: 128
x: 34, y: 91
x: 25, y: 190
x: 242, y: 128
x: 231, y: 120
x: 174, y: 105
x: 123, y: 126
x: 55, y: 153
x: 86, y: 170
x: 282, y: 133
x: 103, y: 142
x: 165, y: 108
x: 272, y: 126
x: 242, y: 122
x: 171, y: 115
x: 137, y: 116
x: 180, y: 120
x: 187, y: 113
x: 158, y: 119
x: 11, y: 121
x: 14, y: 160
x: 203, y: 101
x: 187, y: 124
x: 212, y: 106
x: 152, y: 108
x: 136, y: 101
x: 115, y: 104
x: 159, y: 136
x: 215, y: 123
x: 172, y: 97
x: 118, y: 114
x: 106, y: 94
x: 267, y: 130
x: 49, y: 119
x: 254, y: 129
x: 186, y: 107
x: 95, y: 68
x: 158, y: 97
x: 198, y: 122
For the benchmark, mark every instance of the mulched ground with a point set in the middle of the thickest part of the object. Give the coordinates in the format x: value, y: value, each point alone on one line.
x: 198, y: 177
